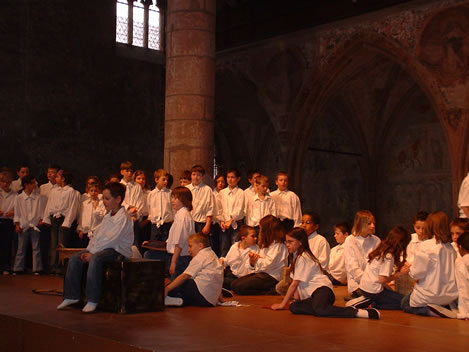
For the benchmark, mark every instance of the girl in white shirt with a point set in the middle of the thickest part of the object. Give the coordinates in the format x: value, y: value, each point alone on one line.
x: 433, y: 268
x: 266, y: 266
x: 311, y: 287
x: 357, y: 247
x: 380, y: 267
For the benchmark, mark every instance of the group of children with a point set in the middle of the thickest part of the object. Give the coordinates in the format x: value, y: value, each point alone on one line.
x: 249, y: 241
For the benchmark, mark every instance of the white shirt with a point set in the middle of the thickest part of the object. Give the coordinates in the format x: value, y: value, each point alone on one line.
x: 232, y: 201
x: 309, y: 275
x: 218, y: 214
x: 133, y: 196
x: 16, y: 185
x: 159, y: 206
x: 89, y: 217
x: 271, y: 261
x: 45, y: 189
x: 257, y: 208
x: 356, y: 250
x: 7, y: 202
x: 456, y: 249
x: 207, y: 272
x: 181, y: 229
x: 463, y: 197
x: 320, y: 248
x: 238, y: 259
x: 462, y: 280
x: 412, y: 247
x: 337, y: 264
x: 288, y: 206
x: 63, y: 201
x: 433, y: 267
x: 378, y: 267
x: 203, y: 202
x: 146, y: 193
x: 29, y: 210
x: 116, y: 232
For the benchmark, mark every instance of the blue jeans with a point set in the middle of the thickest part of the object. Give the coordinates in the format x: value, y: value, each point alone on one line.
x: 405, y: 305
x: 227, y: 238
x: 386, y: 299
x: 190, y: 294
x: 23, y: 240
x: 94, y: 278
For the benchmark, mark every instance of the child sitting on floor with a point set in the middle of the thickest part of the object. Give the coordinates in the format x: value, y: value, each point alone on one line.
x: 236, y: 260
x: 462, y: 276
x: 201, y: 282
x: 457, y: 227
x: 311, y: 286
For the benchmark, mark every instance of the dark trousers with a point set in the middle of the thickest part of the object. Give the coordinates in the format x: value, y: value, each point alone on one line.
x: 405, y: 306
x: 45, y: 244
x: 58, y: 235
x: 190, y: 294
x: 386, y: 299
x: 7, y: 235
x: 254, y: 284
x: 227, y: 238
x: 228, y: 278
x: 215, y: 234
x: 160, y: 233
x: 287, y: 224
x: 321, y: 304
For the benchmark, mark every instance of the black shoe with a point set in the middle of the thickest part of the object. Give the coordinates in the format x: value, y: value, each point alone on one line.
x: 373, y: 313
x: 226, y: 293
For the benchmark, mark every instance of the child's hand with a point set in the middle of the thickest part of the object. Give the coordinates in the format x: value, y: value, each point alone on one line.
x: 253, y: 258
x: 85, y: 257
x: 172, y: 268
x: 221, y: 261
x: 144, y: 243
x: 278, y: 306
x: 9, y: 214
x: 405, y: 269
x: 18, y: 229
x: 132, y: 210
x: 80, y: 235
x: 40, y: 223
x: 206, y: 229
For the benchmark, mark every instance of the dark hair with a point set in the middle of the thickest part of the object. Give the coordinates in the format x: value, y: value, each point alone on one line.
x: 243, y: 231
x: 343, y: 226
x: 67, y: 175
x: 463, y: 223
x: 116, y: 189
x: 184, y: 195
x: 234, y: 171
x: 262, y: 179
x: 126, y: 165
x: 315, y: 217
x: 95, y: 182
x: 395, y: 244
x: 27, y: 180
x: 199, y: 237
x: 159, y: 173
x: 251, y: 173
x: 198, y: 168
x: 21, y: 166
x: 463, y: 241
x: 54, y: 166
x: 281, y: 173
x: 217, y: 176
x: 437, y: 224
x: 186, y: 175
x: 300, y: 235
x: 271, y: 231
x: 420, y: 216
x: 170, y: 181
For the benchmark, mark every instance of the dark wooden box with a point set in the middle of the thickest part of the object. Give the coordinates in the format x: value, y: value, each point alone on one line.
x: 133, y: 286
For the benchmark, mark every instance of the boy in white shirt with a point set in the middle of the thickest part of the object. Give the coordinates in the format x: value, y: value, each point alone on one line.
x: 29, y: 209
x: 457, y: 227
x: 133, y: 201
x: 92, y: 211
x: 160, y: 212
x: 418, y: 237
x: 317, y: 243
x: 220, y: 183
x: 237, y: 259
x: 21, y: 171
x: 232, y: 202
x: 337, y: 271
x: 261, y: 204
x: 61, y: 210
x: 112, y: 239
x: 203, y: 201
x: 201, y: 282
x: 287, y: 203
x: 250, y: 192
x: 7, y: 228
x: 51, y: 174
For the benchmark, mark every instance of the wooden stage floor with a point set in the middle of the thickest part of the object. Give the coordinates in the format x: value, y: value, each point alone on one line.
x: 30, y: 322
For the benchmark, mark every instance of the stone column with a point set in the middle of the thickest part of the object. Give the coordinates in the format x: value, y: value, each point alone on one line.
x: 190, y: 86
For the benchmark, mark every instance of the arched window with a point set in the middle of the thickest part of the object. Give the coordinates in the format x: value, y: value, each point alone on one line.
x: 138, y: 23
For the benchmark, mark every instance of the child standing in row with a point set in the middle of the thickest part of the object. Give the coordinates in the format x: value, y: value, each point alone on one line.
x: 160, y: 211
x: 133, y: 201
x: 337, y: 259
x: 220, y: 183
x: 7, y: 227
x: 21, y: 171
x: 311, y: 286
x: 261, y: 204
x: 287, y: 203
x: 51, y: 175
x: 92, y: 211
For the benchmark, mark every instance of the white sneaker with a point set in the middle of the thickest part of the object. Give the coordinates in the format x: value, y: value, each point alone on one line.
x: 173, y: 301
x: 66, y: 303
x: 90, y: 307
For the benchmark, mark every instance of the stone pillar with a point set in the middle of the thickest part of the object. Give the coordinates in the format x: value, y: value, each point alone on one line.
x: 190, y: 86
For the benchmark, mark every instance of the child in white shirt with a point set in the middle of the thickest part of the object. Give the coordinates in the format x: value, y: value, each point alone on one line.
x: 287, y: 203
x: 201, y: 282
x: 266, y: 265
x: 112, y: 239
x: 380, y: 267
x: 92, y: 211
x: 261, y: 204
x: 462, y: 276
x: 160, y: 212
x: 337, y: 260
x: 317, y: 243
x: 21, y: 171
x: 220, y: 183
x: 51, y: 174
x: 250, y: 192
x: 235, y: 262
x: 311, y: 287
x: 142, y: 229
x: 433, y: 268
x: 457, y: 227
x: 357, y: 247
x: 418, y: 237
x: 133, y: 201
x: 7, y: 227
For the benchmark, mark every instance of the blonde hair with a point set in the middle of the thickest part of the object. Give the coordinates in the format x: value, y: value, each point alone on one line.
x: 159, y: 173
x: 360, y: 223
x: 199, y: 237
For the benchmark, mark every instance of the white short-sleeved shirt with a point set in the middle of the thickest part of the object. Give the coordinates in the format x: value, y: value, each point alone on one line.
x: 288, y: 206
x: 271, y: 261
x: 378, y: 267
x: 238, y: 259
x: 203, y: 202
x: 463, y: 198
x: 207, y: 272
x: 356, y: 250
x: 337, y: 264
x: 433, y: 267
x: 309, y: 275
x: 181, y: 229
x: 462, y: 280
x: 320, y: 248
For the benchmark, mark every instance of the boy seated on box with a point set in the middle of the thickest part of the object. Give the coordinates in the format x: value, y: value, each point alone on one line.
x: 112, y: 239
x: 200, y: 284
